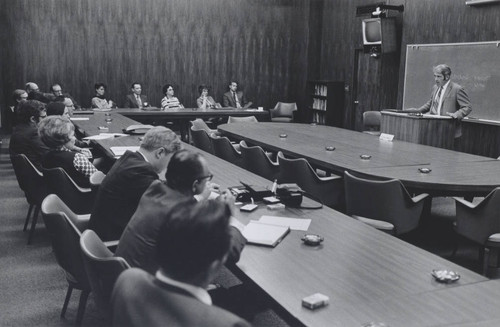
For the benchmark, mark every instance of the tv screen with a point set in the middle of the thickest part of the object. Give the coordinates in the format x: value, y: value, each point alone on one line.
x: 372, y: 31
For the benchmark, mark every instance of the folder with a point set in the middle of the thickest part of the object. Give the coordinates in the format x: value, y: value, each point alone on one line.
x: 264, y: 234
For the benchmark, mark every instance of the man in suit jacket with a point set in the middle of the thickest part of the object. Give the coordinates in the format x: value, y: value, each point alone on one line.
x: 187, y: 175
x: 448, y: 98
x: 136, y: 99
x: 57, y: 91
x: 123, y: 186
x: 25, y: 138
x: 234, y: 98
x: 176, y: 295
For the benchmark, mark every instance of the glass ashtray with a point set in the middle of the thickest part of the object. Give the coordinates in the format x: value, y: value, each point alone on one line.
x: 445, y: 276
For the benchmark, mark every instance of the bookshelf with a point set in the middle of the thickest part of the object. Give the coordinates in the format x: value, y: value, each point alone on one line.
x: 325, y: 102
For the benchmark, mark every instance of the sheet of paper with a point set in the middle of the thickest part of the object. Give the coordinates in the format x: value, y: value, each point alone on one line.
x: 103, y: 136
x: 257, y: 232
x: 79, y: 118
x: 293, y: 223
x: 120, y: 150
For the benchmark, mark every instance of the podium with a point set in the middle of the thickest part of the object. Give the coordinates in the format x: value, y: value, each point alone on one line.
x: 437, y: 131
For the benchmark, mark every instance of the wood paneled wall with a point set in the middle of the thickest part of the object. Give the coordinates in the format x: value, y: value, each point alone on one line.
x: 261, y: 43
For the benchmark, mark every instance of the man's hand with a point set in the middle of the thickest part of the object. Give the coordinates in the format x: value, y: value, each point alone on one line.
x: 452, y: 115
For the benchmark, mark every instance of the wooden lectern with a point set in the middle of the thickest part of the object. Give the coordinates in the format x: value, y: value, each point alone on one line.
x: 438, y: 131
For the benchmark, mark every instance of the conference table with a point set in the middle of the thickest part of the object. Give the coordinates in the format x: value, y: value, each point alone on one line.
x: 359, y: 268
x: 452, y: 172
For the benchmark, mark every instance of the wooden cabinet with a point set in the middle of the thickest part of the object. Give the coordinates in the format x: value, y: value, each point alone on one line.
x: 325, y: 102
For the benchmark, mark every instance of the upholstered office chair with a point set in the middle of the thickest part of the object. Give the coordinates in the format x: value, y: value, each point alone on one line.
x: 65, y: 236
x: 249, y: 119
x: 371, y: 122
x: 78, y: 199
x: 330, y: 190
x: 30, y: 180
x: 202, y: 140
x: 225, y: 150
x: 101, y: 266
x: 199, y: 124
x: 480, y: 222
x: 257, y: 161
x: 96, y: 179
x: 383, y: 204
x: 283, y: 112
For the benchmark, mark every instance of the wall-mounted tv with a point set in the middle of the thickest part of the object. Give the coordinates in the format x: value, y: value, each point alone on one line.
x: 379, y: 35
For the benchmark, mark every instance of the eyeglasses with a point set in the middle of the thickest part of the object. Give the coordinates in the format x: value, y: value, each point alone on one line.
x: 208, y: 177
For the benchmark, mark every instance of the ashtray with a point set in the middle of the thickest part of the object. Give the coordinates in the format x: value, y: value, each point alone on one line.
x: 283, y: 136
x: 329, y: 148
x: 312, y: 239
x: 445, y: 276
x: 425, y: 170
x: 365, y: 156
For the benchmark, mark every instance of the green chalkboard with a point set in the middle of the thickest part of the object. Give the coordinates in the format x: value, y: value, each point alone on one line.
x: 475, y: 66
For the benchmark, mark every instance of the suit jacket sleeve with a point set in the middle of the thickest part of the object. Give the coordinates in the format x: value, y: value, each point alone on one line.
x: 226, y: 102
x: 463, y: 103
x: 243, y: 99
x: 427, y: 106
x: 236, y: 246
x: 129, y: 103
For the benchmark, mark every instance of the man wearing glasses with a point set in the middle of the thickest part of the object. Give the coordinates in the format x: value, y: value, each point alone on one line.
x: 123, y: 186
x: 188, y: 179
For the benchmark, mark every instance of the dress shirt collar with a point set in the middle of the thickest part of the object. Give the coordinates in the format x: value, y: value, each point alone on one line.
x: 195, y: 291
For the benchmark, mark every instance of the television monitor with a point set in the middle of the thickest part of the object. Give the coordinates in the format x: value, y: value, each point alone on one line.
x: 379, y: 35
x: 372, y: 31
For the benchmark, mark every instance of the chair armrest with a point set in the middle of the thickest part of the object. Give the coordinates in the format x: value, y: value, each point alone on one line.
x: 329, y: 178
x: 81, y: 221
x: 111, y: 243
x: 466, y: 203
x: 272, y: 111
x: 420, y: 197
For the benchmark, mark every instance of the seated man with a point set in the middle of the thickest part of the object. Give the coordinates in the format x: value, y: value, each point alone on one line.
x: 187, y: 175
x: 176, y: 295
x: 18, y: 96
x: 136, y: 99
x: 34, y: 93
x: 234, y: 98
x: 57, y: 91
x: 123, y: 186
x: 25, y: 138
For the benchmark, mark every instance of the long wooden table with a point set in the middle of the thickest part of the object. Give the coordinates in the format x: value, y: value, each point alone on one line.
x: 453, y: 173
x: 357, y: 266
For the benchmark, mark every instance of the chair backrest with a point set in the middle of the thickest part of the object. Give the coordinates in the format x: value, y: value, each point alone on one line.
x: 482, y: 221
x: 202, y: 140
x: 65, y: 238
x: 101, y: 266
x: 386, y: 200
x: 372, y: 120
x: 283, y: 109
x: 256, y: 161
x: 79, y: 200
x: 329, y: 190
x: 198, y: 124
x: 225, y: 150
x: 29, y: 178
x: 96, y: 179
x: 249, y: 119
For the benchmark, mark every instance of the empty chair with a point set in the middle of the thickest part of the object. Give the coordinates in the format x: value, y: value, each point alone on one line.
x: 65, y: 237
x: 327, y: 189
x: 199, y: 124
x: 31, y: 181
x: 202, y: 140
x: 257, y: 161
x: 225, y: 150
x: 101, y: 266
x: 283, y: 112
x: 77, y: 198
x: 249, y: 119
x: 480, y: 222
x: 371, y: 122
x: 383, y: 204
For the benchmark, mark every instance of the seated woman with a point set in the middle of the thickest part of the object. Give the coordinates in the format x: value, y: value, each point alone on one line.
x: 100, y: 101
x: 58, y: 134
x: 205, y: 101
x: 60, y: 109
x: 169, y: 101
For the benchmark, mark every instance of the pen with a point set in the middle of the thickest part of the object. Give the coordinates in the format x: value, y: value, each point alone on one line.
x: 251, y: 199
x: 275, y: 185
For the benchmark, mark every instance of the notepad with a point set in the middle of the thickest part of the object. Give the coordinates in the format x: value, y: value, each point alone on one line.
x: 118, y: 151
x: 264, y: 234
x: 293, y: 223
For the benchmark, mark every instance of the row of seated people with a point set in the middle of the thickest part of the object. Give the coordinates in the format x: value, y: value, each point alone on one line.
x: 232, y: 98
x: 132, y: 203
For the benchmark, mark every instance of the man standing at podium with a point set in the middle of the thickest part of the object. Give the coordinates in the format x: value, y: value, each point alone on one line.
x: 447, y: 99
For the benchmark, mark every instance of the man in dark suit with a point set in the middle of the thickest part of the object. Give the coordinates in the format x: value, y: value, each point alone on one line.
x: 192, y: 247
x: 136, y: 99
x: 123, y: 186
x: 57, y: 91
x: 34, y: 93
x: 25, y: 138
x: 234, y: 98
x: 447, y: 98
x: 187, y: 175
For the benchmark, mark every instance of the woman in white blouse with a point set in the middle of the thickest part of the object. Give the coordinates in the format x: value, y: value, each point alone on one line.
x: 100, y: 101
x: 169, y: 101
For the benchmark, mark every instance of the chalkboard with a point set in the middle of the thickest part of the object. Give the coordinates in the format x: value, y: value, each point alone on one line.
x: 475, y: 66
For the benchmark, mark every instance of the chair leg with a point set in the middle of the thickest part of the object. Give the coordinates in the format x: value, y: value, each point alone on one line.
x: 33, y: 224
x: 66, y: 300
x: 30, y: 210
x: 486, y: 260
x: 81, y: 307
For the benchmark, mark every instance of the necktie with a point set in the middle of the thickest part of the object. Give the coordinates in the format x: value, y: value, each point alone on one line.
x: 435, y: 105
x: 238, y: 105
x: 139, y: 102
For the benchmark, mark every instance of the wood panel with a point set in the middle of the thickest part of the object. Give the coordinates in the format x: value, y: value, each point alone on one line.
x: 261, y: 43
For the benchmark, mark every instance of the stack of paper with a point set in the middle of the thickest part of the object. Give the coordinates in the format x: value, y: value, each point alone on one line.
x: 270, y: 230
